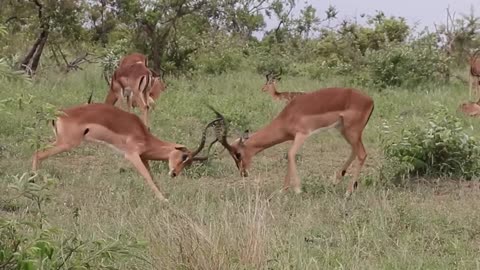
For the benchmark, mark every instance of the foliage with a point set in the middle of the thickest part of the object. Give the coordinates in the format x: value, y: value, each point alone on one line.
x: 32, y: 244
x: 9, y: 74
x: 406, y: 65
x: 438, y: 147
x: 214, y: 37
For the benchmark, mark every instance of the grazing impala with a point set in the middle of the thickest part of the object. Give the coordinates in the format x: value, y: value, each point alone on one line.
x: 134, y: 82
x: 271, y: 87
x: 124, y: 132
x: 348, y: 110
x: 123, y: 84
x: 475, y: 74
x: 158, y: 85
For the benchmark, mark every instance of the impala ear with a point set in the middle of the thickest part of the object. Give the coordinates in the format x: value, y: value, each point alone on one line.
x: 245, y: 136
x: 181, y: 148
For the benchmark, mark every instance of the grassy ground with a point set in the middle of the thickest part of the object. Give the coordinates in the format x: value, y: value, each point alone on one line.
x: 216, y: 219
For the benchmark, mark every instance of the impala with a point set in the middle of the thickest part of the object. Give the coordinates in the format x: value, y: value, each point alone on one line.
x: 470, y: 109
x: 348, y: 110
x: 271, y: 87
x: 134, y: 82
x: 123, y: 131
x: 133, y: 58
x: 474, y: 74
x: 127, y: 60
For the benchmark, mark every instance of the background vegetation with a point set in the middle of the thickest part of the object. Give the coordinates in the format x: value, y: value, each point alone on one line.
x: 418, y: 199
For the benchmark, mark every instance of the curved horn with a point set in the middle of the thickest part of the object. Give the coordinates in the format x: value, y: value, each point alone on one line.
x: 204, y: 137
x: 277, y: 75
x: 223, y: 139
x: 162, y: 73
x: 268, y: 75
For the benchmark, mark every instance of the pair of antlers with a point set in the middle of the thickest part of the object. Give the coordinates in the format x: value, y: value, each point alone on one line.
x: 271, y: 75
x: 204, y: 139
x: 221, y: 136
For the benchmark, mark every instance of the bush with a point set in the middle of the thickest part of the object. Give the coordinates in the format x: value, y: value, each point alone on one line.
x: 406, y: 64
x: 437, y: 148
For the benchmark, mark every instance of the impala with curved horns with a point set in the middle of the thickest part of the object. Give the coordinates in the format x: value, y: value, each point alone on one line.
x: 123, y: 131
x: 347, y: 110
x: 270, y: 87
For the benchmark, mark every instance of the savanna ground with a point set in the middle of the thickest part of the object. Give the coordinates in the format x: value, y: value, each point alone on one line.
x: 218, y: 220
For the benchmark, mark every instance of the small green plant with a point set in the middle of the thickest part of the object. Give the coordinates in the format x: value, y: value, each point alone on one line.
x: 437, y: 148
x: 31, y: 243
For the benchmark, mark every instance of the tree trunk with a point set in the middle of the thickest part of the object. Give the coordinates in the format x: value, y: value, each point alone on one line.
x: 31, y: 60
x: 156, y: 56
x: 38, y: 53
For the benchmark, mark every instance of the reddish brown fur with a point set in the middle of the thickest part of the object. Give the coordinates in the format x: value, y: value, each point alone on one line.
x: 346, y: 109
x: 136, y: 81
x: 133, y: 58
x: 122, y: 130
x: 474, y: 74
x: 130, y: 70
x: 470, y: 109
x: 271, y: 87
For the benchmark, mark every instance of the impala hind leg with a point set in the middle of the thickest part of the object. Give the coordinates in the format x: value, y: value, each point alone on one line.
x: 352, y: 129
x: 341, y: 173
x: 292, y: 167
x: 144, y: 169
x: 354, y: 137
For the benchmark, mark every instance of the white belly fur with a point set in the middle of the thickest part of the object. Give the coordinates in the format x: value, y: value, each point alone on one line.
x: 336, y: 124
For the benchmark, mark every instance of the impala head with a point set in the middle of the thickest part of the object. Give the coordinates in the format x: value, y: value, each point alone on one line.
x: 178, y: 159
x: 237, y: 150
x: 181, y: 157
x: 271, y: 83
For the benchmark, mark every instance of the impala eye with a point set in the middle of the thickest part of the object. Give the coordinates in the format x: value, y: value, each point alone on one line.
x: 238, y: 156
x: 184, y: 157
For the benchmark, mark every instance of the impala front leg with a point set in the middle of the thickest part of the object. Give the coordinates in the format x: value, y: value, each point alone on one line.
x: 292, y: 167
x: 145, y: 116
x: 143, y: 168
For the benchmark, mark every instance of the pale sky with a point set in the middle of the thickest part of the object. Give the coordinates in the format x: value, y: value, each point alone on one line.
x: 423, y: 12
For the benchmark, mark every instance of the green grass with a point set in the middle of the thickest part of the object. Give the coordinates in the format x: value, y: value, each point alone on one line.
x: 216, y: 219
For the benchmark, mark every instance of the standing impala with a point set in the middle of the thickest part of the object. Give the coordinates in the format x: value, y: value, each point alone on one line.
x: 134, y: 83
x: 158, y: 85
x: 124, y: 132
x: 137, y: 83
x: 348, y: 110
x: 474, y: 75
x: 271, y: 87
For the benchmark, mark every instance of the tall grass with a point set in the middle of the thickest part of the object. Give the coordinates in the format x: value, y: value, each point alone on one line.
x: 216, y: 219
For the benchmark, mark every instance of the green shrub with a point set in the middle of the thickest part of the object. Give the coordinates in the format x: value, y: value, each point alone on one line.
x: 437, y: 148
x: 406, y: 64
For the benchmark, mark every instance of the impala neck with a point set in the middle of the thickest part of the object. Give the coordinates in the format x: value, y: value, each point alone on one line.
x: 157, y: 149
x: 266, y: 137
